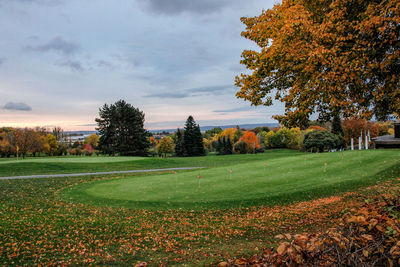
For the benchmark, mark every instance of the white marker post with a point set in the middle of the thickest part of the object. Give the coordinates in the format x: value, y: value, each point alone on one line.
x: 366, y: 140
x: 352, y: 143
x: 360, y: 142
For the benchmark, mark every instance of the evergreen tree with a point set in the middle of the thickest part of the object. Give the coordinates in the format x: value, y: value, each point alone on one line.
x: 228, y: 146
x: 337, y: 129
x: 179, y: 144
x: 121, y: 130
x: 198, y: 141
x: 224, y: 146
x: 193, y: 140
x: 337, y: 125
x: 218, y: 146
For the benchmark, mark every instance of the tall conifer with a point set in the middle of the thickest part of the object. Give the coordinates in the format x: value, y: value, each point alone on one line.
x: 193, y: 140
x: 179, y: 144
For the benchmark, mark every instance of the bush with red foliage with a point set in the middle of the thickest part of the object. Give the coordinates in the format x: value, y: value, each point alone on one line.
x: 88, y: 150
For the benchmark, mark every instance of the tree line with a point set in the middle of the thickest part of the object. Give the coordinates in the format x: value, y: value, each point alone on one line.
x: 121, y: 132
x: 21, y: 142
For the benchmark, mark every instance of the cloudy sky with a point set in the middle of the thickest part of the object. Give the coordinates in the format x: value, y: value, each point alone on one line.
x: 60, y: 60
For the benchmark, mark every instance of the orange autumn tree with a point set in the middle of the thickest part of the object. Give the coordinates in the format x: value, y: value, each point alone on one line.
x: 251, y: 141
x: 326, y: 56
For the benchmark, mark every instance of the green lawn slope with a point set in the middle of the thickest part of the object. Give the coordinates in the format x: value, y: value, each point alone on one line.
x: 263, y: 180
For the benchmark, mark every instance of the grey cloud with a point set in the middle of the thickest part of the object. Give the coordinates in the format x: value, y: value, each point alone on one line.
x: 208, y: 90
x: 169, y: 95
x: 211, y: 89
x: 17, y: 106
x: 42, y: 2
x: 59, y: 45
x: 174, y: 7
x: 73, y: 65
x: 105, y: 64
x: 233, y: 110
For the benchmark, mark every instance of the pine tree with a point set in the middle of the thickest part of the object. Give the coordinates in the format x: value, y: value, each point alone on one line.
x: 228, y: 146
x: 121, y: 130
x: 223, y: 146
x: 193, y: 140
x: 198, y: 141
x: 337, y: 125
x: 179, y: 144
x: 218, y: 147
x: 337, y: 129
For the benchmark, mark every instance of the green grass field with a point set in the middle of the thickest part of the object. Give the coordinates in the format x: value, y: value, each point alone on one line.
x: 267, y: 180
x: 121, y: 220
x: 70, y: 159
x: 80, y: 164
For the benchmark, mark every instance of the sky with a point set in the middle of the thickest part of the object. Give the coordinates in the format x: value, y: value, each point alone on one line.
x: 61, y: 60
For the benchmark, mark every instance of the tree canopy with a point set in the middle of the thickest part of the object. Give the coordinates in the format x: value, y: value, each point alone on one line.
x: 165, y: 146
x: 121, y: 130
x: 325, y: 56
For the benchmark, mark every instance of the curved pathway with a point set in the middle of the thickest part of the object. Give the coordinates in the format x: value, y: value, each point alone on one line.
x: 94, y: 173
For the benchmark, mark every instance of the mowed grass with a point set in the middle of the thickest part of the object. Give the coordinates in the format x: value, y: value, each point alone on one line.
x: 268, y: 180
x: 70, y: 159
x: 38, y: 227
x: 82, y: 164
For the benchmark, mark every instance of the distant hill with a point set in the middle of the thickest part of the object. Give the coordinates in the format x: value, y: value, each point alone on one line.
x: 242, y: 126
x: 80, y: 132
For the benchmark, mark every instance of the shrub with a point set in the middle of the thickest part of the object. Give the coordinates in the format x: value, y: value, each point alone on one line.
x: 76, y: 151
x: 62, y: 149
x: 261, y: 136
x: 251, y: 140
x: 284, y: 138
x: 289, y: 138
x: 241, y: 147
x: 320, y: 140
x: 224, y: 146
x: 88, y: 150
x: 260, y: 150
x: 269, y: 140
